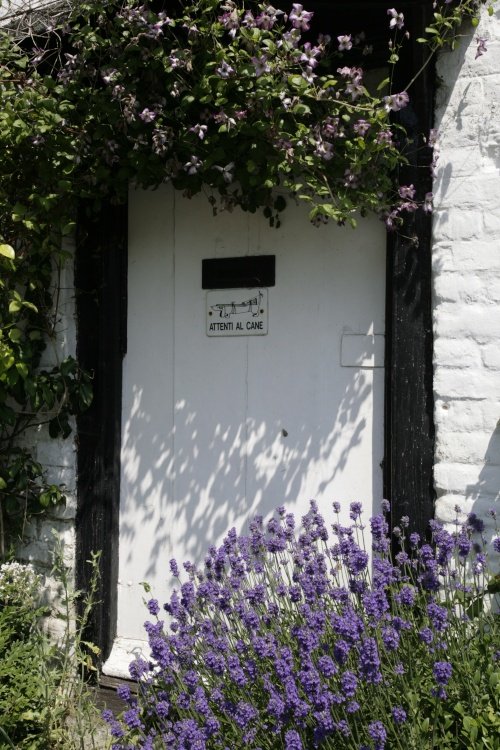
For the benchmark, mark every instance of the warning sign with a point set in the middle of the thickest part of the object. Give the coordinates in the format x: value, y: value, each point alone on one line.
x: 237, y: 312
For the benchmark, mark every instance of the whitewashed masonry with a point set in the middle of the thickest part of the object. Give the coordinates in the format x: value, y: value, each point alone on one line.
x: 466, y: 276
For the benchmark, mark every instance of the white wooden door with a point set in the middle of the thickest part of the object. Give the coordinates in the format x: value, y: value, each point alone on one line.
x: 218, y: 429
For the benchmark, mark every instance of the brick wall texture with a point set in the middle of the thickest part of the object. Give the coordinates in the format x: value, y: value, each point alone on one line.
x: 466, y: 275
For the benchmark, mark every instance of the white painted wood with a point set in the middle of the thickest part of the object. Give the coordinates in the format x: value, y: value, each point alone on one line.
x: 359, y: 350
x: 217, y: 429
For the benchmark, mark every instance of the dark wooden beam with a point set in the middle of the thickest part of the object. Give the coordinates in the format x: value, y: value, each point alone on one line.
x: 100, y: 280
x: 409, y: 425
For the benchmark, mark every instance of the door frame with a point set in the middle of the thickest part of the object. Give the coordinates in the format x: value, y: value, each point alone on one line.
x: 101, y: 302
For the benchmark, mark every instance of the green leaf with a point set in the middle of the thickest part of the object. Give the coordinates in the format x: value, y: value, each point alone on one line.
x: 301, y: 109
x: 383, y: 84
x: 297, y: 82
x: 7, y: 251
x: 15, y: 305
x: 22, y: 369
x: 15, y: 335
x: 476, y: 607
x: 493, y: 586
x: 44, y: 499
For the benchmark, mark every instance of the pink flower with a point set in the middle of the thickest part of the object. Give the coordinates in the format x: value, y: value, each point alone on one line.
x: 361, y: 127
x: 200, y: 130
x: 397, y: 19
x: 481, y: 46
x: 345, y: 42
x: 193, y: 165
x: 407, y: 191
x: 428, y: 205
x: 147, y: 115
x: 224, y: 70
x: 299, y: 17
x: 395, y: 102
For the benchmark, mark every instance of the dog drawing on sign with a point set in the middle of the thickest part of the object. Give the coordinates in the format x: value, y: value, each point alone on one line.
x: 252, y: 306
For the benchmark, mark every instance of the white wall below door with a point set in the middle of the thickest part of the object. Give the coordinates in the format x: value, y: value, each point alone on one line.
x: 218, y: 429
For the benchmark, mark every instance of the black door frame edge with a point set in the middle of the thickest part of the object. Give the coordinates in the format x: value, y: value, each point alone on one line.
x: 409, y: 400
x: 101, y: 304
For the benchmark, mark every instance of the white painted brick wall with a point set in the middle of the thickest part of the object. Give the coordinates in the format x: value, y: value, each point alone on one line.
x: 466, y: 277
x: 57, y: 456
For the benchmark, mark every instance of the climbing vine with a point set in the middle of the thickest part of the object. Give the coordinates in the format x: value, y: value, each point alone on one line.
x: 234, y: 99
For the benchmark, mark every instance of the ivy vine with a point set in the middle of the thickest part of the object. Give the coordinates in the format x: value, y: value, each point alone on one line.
x: 231, y: 98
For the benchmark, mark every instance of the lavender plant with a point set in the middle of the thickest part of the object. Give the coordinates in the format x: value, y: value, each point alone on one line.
x: 298, y: 641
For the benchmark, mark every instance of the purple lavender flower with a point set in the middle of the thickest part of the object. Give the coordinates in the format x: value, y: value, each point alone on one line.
x: 132, y: 718
x: 138, y: 668
x: 174, y: 568
x: 153, y: 606
x: 293, y: 741
x: 414, y: 539
x: 442, y: 671
x: 390, y: 638
x: 378, y: 734
x: 343, y: 727
x: 398, y: 714
x: 356, y: 508
x: 496, y: 544
x: 475, y: 523
x: 406, y: 596
x: 326, y: 666
x: 349, y: 684
x: 341, y: 651
x: 375, y: 604
x: 379, y: 527
x: 244, y: 714
x: 438, y: 616
x: 369, y: 661
x: 426, y: 635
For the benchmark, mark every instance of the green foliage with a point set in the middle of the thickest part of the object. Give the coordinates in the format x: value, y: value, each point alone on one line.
x: 46, y: 702
x: 223, y: 97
